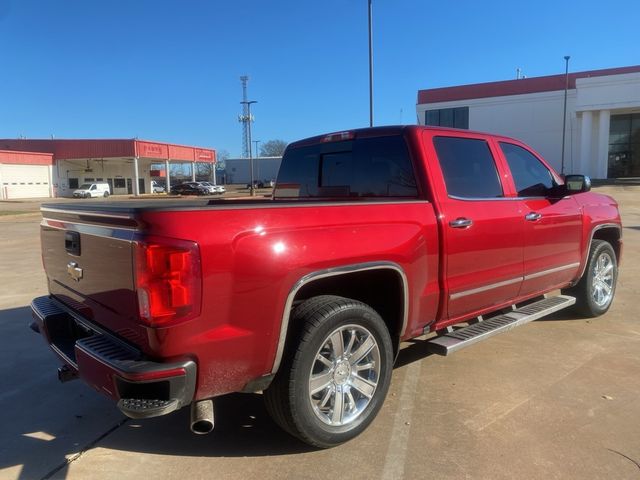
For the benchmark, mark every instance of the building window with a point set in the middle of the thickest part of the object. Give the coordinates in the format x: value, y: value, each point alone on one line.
x: 73, y: 183
x: 119, y: 183
x: 448, y: 117
x: 624, y: 146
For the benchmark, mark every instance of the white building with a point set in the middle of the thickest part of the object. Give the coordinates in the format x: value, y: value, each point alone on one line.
x: 237, y: 170
x: 55, y: 168
x: 602, y: 124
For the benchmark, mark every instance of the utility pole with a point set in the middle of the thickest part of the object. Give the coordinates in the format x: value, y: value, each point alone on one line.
x: 370, y: 64
x: 564, y: 111
x: 247, y: 104
x: 257, y: 159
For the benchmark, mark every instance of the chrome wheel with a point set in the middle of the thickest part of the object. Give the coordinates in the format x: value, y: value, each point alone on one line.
x: 603, y: 280
x: 344, y: 375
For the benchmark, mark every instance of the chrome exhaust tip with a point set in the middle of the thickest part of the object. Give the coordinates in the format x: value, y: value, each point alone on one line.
x: 202, y: 417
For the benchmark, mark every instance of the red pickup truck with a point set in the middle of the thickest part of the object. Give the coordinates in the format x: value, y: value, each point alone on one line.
x: 372, y: 237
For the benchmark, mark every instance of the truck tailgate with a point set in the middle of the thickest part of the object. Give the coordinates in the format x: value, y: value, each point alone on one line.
x: 88, y: 259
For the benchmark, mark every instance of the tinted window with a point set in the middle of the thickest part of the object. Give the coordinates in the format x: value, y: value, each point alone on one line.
x: 468, y: 167
x: 461, y: 117
x: 368, y: 167
x: 531, y: 177
x: 448, y: 117
x: 73, y: 183
x: 432, y: 117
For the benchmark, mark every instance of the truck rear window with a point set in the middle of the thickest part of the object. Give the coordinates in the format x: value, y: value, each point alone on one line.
x: 367, y: 167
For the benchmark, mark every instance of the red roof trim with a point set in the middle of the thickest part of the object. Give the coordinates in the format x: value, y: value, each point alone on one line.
x: 22, y: 152
x: 549, y: 83
x: 110, y: 148
x: 26, y: 158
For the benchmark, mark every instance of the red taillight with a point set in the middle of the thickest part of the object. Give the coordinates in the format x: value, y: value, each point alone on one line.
x: 336, y: 137
x: 168, y: 280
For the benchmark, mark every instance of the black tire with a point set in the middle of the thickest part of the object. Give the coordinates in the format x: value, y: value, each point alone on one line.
x: 585, y: 291
x: 289, y: 399
x: 106, y: 194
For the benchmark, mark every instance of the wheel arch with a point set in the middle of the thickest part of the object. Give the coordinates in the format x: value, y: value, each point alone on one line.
x: 386, y: 291
x: 609, y: 232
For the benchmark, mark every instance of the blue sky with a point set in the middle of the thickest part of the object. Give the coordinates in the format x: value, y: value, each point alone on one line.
x: 170, y: 71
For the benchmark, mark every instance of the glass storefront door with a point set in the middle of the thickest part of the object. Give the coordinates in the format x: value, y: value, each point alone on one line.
x: 624, y: 146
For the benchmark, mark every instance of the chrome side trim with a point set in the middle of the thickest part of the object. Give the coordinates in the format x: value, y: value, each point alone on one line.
x: 542, y: 273
x: 237, y: 204
x: 494, y: 199
x: 484, y: 288
x: 88, y: 213
x: 120, y: 233
x: 504, y: 283
x: 292, y: 203
x: 332, y: 272
x: 593, y: 231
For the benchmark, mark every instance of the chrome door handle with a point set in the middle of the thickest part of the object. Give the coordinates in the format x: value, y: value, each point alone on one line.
x: 533, y: 216
x: 461, y: 223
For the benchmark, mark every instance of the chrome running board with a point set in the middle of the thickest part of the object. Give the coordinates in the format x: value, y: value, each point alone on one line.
x: 463, y: 337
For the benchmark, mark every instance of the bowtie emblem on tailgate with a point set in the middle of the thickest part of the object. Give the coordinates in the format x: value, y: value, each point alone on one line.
x: 74, y: 271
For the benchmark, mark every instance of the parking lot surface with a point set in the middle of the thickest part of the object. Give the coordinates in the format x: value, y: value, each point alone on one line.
x: 556, y: 399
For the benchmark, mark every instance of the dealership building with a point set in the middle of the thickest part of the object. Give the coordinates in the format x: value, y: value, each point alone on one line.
x: 602, y: 122
x: 55, y: 168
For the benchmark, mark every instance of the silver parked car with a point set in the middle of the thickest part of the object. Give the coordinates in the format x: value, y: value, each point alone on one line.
x: 214, y: 189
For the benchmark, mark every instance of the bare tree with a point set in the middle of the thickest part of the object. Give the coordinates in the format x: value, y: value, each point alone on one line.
x: 203, y: 171
x: 273, y: 148
x: 221, y: 159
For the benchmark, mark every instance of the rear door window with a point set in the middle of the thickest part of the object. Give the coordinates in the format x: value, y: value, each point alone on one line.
x: 367, y: 167
x: 468, y: 167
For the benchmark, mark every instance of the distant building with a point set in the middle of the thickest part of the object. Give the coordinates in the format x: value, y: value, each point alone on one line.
x: 237, y: 170
x: 603, y: 117
x: 55, y: 168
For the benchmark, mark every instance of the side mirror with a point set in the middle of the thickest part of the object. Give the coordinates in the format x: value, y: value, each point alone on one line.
x: 577, y: 183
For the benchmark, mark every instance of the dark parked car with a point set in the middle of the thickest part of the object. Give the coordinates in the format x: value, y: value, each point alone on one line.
x: 190, y: 188
x: 261, y: 184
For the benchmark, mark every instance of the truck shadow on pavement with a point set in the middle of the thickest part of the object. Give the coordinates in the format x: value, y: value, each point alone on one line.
x: 242, y: 428
x: 41, y: 420
x: 45, y: 423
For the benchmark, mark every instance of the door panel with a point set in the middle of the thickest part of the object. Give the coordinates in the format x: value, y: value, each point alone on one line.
x: 552, y: 224
x: 552, y: 246
x: 482, y: 228
x: 484, y: 261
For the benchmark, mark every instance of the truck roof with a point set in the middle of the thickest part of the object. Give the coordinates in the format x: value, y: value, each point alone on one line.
x: 382, y: 131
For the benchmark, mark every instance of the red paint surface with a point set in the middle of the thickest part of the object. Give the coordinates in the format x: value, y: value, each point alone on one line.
x: 26, y: 158
x: 514, y: 87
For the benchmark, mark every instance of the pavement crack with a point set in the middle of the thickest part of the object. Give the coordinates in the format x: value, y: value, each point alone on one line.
x: 624, y: 456
x: 84, y: 449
